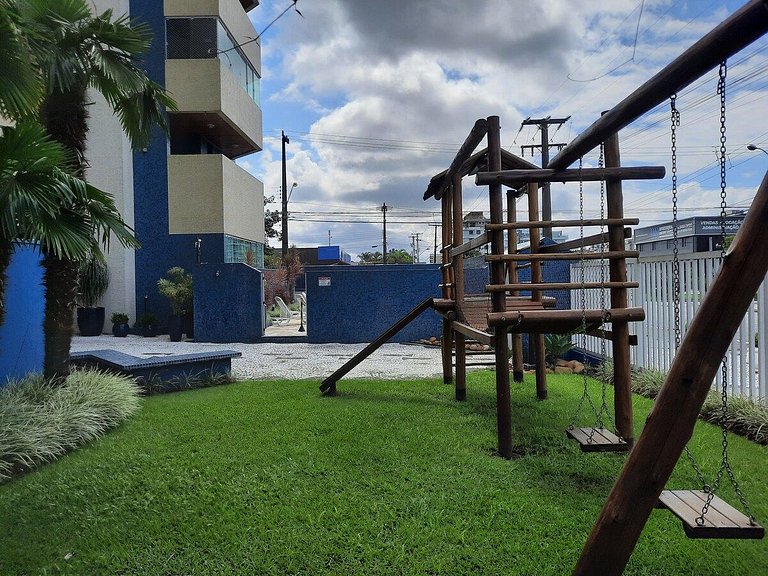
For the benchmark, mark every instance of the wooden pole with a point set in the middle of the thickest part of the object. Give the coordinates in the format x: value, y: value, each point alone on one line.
x: 622, y: 376
x: 536, y: 278
x: 515, y: 178
x: 736, y: 32
x: 446, y: 342
x: 474, y: 138
x: 498, y: 299
x: 517, y: 339
x: 459, y: 340
x: 675, y: 411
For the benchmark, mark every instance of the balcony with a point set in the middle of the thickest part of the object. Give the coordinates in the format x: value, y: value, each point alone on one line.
x: 210, y: 194
x: 213, y: 107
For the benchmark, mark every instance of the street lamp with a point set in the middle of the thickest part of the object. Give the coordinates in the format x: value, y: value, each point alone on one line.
x: 753, y: 148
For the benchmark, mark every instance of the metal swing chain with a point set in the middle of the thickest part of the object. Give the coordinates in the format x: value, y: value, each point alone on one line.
x: 604, y: 411
x: 583, y: 302
x: 725, y: 465
x: 674, y: 124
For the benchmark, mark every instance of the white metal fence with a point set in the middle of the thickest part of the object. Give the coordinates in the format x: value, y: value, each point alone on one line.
x: 656, y: 335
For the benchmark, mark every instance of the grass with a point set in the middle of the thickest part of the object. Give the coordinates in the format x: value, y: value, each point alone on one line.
x: 389, y: 477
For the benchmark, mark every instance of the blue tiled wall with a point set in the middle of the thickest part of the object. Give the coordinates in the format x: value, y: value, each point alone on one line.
x: 21, y: 336
x: 361, y: 302
x: 228, y: 303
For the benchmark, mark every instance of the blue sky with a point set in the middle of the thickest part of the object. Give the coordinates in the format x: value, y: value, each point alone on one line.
x: 376, y: 98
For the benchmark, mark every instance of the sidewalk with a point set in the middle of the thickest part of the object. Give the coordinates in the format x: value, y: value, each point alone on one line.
x: 291, y: 361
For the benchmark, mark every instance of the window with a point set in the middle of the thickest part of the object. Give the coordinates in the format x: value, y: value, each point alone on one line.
x: 238, y: 250
x: 198, y: 38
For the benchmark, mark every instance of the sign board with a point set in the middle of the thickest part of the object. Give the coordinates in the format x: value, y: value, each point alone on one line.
x: 324, y: 281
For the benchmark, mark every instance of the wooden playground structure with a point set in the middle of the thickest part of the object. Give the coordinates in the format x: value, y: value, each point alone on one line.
x: 491, y: 317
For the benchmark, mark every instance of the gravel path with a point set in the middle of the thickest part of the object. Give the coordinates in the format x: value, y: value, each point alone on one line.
x: 288, y: 361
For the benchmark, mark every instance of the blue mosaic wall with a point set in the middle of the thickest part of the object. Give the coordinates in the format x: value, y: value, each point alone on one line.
x: 21, y: 336
x: 357, y: 303
x: 228, y: 303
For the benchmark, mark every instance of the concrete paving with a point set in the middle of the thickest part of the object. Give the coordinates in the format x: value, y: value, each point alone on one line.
x: 289, y: 360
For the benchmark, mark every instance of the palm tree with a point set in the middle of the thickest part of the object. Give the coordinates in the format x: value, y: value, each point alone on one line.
x: 35, y: 192
x: 77, y: 51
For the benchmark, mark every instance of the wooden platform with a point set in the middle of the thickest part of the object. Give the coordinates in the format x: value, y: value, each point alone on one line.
x: 597, y: 440
x: 721, y: 520
x: 475, y: 309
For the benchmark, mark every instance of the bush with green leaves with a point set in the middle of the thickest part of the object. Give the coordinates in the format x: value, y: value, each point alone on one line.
x: 40, y: 421
x: 177, y: 287
x: 556, y: 346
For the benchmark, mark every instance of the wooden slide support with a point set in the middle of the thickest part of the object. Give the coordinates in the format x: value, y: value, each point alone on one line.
x: 676, y: 409
x: 328, y: 385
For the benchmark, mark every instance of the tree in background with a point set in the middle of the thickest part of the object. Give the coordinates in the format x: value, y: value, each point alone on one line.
x: 394, y: 256
x: 271, y: 220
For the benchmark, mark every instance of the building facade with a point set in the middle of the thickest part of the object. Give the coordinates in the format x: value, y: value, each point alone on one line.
x: 697, y: 234
x: 185, y: 196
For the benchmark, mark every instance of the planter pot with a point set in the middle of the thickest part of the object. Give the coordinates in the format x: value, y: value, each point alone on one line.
x: 90, y: 321
x: 175, y: 328
x: 149, y: 330
x: 120, y: 330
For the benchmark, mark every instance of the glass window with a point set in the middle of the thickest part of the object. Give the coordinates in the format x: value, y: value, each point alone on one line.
x: 237, y: 250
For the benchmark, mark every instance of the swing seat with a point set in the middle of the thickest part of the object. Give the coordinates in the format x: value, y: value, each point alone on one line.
x: 597, y: 440
x: 721, y: 521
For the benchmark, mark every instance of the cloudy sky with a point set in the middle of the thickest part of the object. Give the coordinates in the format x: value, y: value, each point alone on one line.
x: 376, y: 97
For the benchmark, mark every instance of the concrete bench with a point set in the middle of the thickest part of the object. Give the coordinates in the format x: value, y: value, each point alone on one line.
x: 160, y: 373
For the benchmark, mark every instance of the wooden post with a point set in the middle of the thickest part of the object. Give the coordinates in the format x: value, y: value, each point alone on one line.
x: 517, y: 339
x: 536, y: 277
x: 675, y: 411
x: 446, y: 342
x: 499, y: 299
x: 459, y: 340
x: 622, y: 375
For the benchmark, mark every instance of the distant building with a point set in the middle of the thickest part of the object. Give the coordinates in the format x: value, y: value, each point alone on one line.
x: 323, y: 255
x: 474, y: 226
x: 697, y: 234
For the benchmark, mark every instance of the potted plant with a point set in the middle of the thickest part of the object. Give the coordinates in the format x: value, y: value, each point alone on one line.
x: 148, y: 322
x: 177, y: 287
x: 92, y: 283
x: 120, y: 326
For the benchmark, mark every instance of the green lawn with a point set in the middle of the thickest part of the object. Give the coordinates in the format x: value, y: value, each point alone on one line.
x: 386, y: 478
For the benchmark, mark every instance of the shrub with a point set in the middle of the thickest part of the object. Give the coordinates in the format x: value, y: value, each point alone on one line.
x: 648, y: 382
x: 119, y: 318
x: 556, y: 346
x: 177, y: 287
x: 39, y: 422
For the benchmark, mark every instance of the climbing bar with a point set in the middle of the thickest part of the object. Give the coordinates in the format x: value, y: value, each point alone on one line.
x: 558, y: 286
x: 579, y: 242
x: 517, y: 177
x: 735, y: 33
x: 440, y: 183
x: 481, y: 240
x: 607, y: 255
x: 542, y: 320
x: 564, y: 223
x: 443, y: 304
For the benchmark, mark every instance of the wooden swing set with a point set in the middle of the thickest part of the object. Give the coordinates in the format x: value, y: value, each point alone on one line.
x: 491, y: 317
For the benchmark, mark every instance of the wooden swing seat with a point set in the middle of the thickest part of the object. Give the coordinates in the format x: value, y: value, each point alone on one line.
x: 721, y: 521
x: 597, y: 440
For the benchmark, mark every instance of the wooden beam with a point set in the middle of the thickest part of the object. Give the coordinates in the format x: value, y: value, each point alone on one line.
x: 481, y: 240
x: 474, y: 333
x: 676, y: 409
x: 565, y: 223
x: 558, y: 286
x: 476, y: 135
x: 735, y: 33
x: 536, y: 340
x: 579, y: 242
x: 457, y: 234
x: 516, y: 178
x: 499, y: 301
x: 607, y: 255
x: 608, y: 335
x: 538, y: 320
x: 329, y: 384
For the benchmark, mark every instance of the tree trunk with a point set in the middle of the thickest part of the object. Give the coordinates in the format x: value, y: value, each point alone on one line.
x: 60, y: 282
x: 66, y: 119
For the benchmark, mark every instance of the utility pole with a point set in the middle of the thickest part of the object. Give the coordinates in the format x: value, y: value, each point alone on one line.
x: 285, y: 201
x: 329, y: 237
x: 434, y: 246
x: 415, y: 246
x: 543, y: 124
x: 384, y: 212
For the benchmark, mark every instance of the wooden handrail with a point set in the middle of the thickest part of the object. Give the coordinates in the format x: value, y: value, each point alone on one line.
x: 607, y: 255
x: 516, y: 178
x: 564, y: 223
x: 558, y: 286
